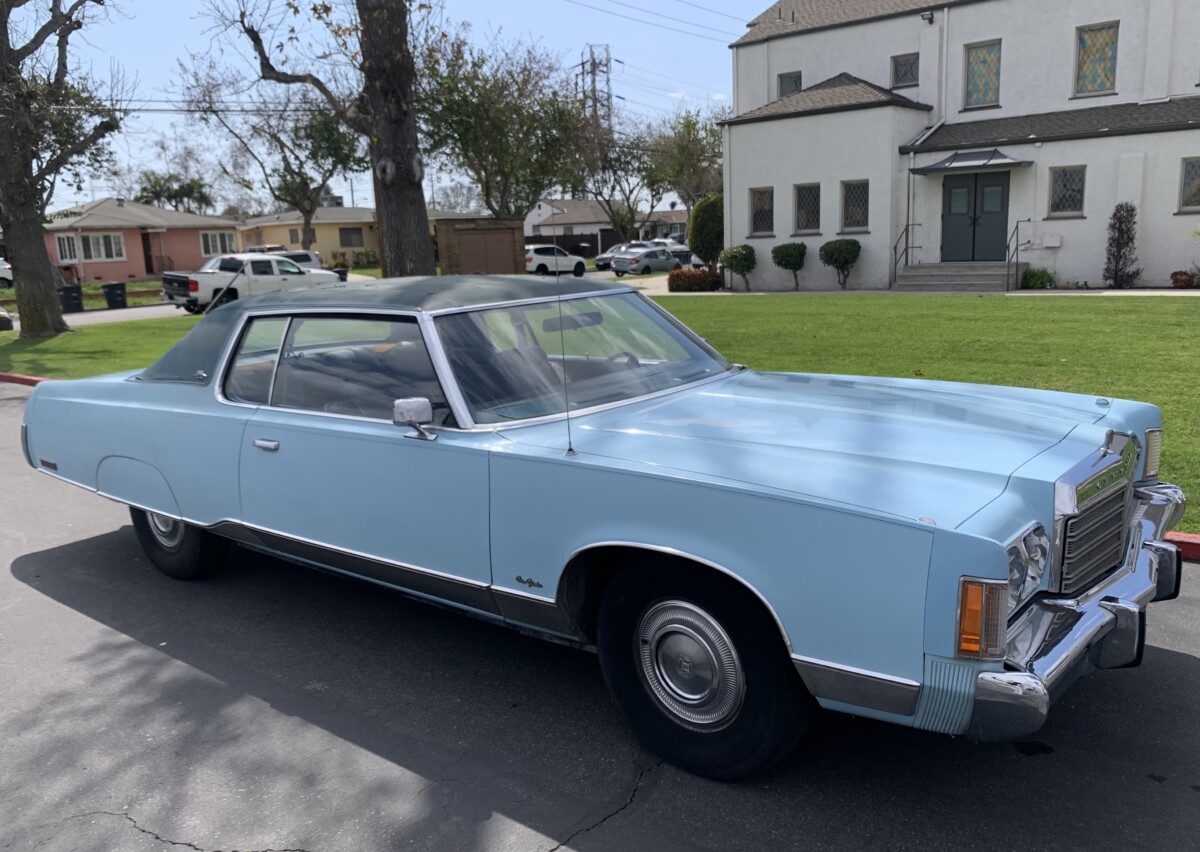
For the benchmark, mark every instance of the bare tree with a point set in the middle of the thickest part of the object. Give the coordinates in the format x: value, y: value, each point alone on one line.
x: 619, y: 171
x: 368, y: 83
x: 55, y: 124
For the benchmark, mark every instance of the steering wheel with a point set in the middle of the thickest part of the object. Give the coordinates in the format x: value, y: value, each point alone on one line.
x: 630, y: 359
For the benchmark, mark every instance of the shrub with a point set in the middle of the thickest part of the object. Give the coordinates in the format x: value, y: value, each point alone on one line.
x: 1036, y: 278
x: 1121, y: 256
x: 1183, y: 279
x: 706, y: 231
x: 365, y: 258
x: 740, y: 259
x: 841, y: 255
x: 693, y: 281
x: 790, y: 256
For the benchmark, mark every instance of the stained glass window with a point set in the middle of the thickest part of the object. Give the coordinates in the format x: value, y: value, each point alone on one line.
x: 856, y: 203
x: 983, y: 75
x: 808, y: 208
x: 1189, y: 195
x: 1066, y: 190
x: 1096, y: 59
x: 762, y: 211
x: 906, y: 70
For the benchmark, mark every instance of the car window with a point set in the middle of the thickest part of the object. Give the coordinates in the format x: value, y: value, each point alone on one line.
x: 286, y: 267
x: 560, y: 253
x: 299, y: 257
x: 249, y: 377
x: 356, y: 366
x: 544, y: 251
x: 262, y: 267
x: 229, y: 264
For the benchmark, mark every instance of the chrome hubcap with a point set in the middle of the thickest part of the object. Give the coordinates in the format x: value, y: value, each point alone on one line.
x: 690, y: 665
x: 168, y: 532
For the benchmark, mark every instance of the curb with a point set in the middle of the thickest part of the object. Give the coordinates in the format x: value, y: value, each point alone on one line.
x: 22, y: 379
x: 1188, y: 544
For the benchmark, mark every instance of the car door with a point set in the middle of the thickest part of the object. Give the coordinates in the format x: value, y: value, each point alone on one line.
x: 562, y: 260
x: 262, y: 277
x: 327, y: 477
x: 290, y: 275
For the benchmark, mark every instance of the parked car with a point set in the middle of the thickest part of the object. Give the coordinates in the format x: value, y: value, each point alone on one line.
x: 265, y: 248
x: 6, y: 320
x: 234, y: 276
x: 740, y: 548
x: 306, y: 259
x: 551, y: 260
x: 6, y: 279
x: 644, y: 261
x: 604, y: 259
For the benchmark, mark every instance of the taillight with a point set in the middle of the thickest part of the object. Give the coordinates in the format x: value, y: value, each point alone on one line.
x: 193, y: 286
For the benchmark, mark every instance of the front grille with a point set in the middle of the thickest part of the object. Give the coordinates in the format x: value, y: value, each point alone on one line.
x: 1094, y: 541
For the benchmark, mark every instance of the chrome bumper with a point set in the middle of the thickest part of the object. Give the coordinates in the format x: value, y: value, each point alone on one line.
x: 1055, y: 640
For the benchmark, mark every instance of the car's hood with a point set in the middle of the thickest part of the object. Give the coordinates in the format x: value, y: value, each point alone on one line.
x: 913, y: 449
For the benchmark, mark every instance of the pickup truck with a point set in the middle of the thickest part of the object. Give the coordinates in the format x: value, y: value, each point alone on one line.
x: 230, y: 276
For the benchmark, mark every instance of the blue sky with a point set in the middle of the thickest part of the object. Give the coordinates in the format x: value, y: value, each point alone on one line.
x: 675, y: 53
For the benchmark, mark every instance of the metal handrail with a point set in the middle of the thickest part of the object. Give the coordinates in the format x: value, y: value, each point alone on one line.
x: 897, y: 254
x: 1013, y: 251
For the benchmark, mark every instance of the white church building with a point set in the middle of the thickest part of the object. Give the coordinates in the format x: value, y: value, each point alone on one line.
x: 954, y: 140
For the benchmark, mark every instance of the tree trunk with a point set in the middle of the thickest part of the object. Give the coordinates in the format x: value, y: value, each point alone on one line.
x: 306, y: 228
x: 34, y: 276
x: 389, y: 73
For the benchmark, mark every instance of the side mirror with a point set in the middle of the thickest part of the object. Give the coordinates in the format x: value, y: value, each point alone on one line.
x: 416, y: 413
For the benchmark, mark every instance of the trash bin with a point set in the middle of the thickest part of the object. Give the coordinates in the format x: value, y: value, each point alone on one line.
x: 71, y: 299
x: 341, y: 272
x: 114, y: 294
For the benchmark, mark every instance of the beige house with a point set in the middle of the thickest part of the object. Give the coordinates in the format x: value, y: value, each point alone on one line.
x: 335, y: 229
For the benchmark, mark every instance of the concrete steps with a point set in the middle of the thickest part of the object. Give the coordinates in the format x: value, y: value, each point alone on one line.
x: 984, y: 277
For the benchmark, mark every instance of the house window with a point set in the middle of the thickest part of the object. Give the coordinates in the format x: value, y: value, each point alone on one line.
x: 1096, y: 59
x: 1066, y: 190
x: 762, y: 211
x: 294, y: 236
x: 906, y: 70
x: 982, y: 87
x: 808, y: 209
x: 102, y: 247
x: 568, y: 231
x: 218, y: 242
x: 350, y: 237
x: 789, y: 83
x: 856, y: 204
x: 537, y: 230
x: 1189, y: 186
x: 66, y: 248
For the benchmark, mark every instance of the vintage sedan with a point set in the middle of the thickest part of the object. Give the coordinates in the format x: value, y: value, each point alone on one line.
x: 740, y: 548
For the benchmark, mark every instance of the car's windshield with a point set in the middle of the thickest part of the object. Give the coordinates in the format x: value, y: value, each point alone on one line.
x: 515, y: 363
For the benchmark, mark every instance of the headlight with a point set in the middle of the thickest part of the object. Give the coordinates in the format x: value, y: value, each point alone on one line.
x: 1153, y: 452
x: 1028, y: 557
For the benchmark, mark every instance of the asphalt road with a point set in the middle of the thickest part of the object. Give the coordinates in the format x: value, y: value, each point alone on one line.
x: 274, y: 707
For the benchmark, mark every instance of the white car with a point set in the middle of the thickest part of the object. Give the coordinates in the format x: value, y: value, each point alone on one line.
x: 547, y: 260
x: 5, y: 273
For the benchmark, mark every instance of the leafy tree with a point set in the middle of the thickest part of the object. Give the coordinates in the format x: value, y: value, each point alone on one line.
x: 740, y: 260
x: 56, y: 123
x: 191, y: 195
x: 369, y: 83
x: 706, y: 230
x: 790, y: 256
x: 502, y: 114
x: 1121, y: 254
x: 841, y: 255
x: 687, y: 152
x: 620, y: 173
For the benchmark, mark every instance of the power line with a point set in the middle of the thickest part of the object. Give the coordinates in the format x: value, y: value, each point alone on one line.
x: 654, y: 73
x: 686, y: 23
x: 644, y: 21
x: 711, y: 11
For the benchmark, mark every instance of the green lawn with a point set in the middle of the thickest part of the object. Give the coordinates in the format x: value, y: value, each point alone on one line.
x: 1145, y: 348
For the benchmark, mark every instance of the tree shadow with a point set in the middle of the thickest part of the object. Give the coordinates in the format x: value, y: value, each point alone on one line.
x: 487, y: 722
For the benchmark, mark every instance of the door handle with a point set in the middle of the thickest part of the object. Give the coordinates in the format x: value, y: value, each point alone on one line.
x: 264, y: 444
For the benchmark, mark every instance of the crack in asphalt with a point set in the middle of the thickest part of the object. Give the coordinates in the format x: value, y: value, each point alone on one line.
x: 166, y: 840
x: 633, y: 795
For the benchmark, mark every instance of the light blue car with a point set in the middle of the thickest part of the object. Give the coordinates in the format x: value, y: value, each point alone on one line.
x: 740, y: 548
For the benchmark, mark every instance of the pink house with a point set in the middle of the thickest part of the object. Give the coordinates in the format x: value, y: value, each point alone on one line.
x: 117, y: 240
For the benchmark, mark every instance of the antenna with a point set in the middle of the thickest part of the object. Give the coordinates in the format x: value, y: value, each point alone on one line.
x: 562, y: 338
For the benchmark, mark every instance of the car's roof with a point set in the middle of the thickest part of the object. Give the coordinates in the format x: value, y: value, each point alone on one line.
x: 437, y: 293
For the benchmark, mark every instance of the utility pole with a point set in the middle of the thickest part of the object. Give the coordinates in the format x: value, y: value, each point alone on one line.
x: 594, y: 82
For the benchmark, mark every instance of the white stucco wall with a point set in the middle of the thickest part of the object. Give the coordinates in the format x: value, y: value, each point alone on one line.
x: 825, y: 149
x: 1144, y: 169
x: 537, y: 215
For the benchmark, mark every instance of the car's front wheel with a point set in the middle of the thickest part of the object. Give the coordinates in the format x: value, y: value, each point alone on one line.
x: 178, y: 549
x: 579, y: 270
x: 619, y: 274
x: 701, y: 671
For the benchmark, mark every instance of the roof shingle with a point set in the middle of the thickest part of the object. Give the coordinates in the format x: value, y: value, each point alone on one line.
x: 789, y: 17
x: 843, y: 92
x: 119, y: 213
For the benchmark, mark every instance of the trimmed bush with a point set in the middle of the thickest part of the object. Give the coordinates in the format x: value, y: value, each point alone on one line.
x: 790, y: 256
x: 693, y: 281
x: 1183, y: 279
x: 740, y: 260
x: 1119, y: 259
x: 365, y: 258
x: 706, y: 231
x: 841, y: 255
x: 1036, y: 278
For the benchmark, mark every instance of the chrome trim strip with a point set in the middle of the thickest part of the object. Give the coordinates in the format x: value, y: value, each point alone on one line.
x: 445, y: 374
x: 518, y: 593
x: 860, y: 687
x: 671, y: 551
x: 518, y: 303
x: 540, y: 613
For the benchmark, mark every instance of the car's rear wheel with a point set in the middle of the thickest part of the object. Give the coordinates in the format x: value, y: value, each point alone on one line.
x: 178, y: 549
x: 193, y: 309
x: 542, y: 269
x: 646, y: 270
x: 579, y: 270
x: 701, y: 671
x: 619, y: 274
